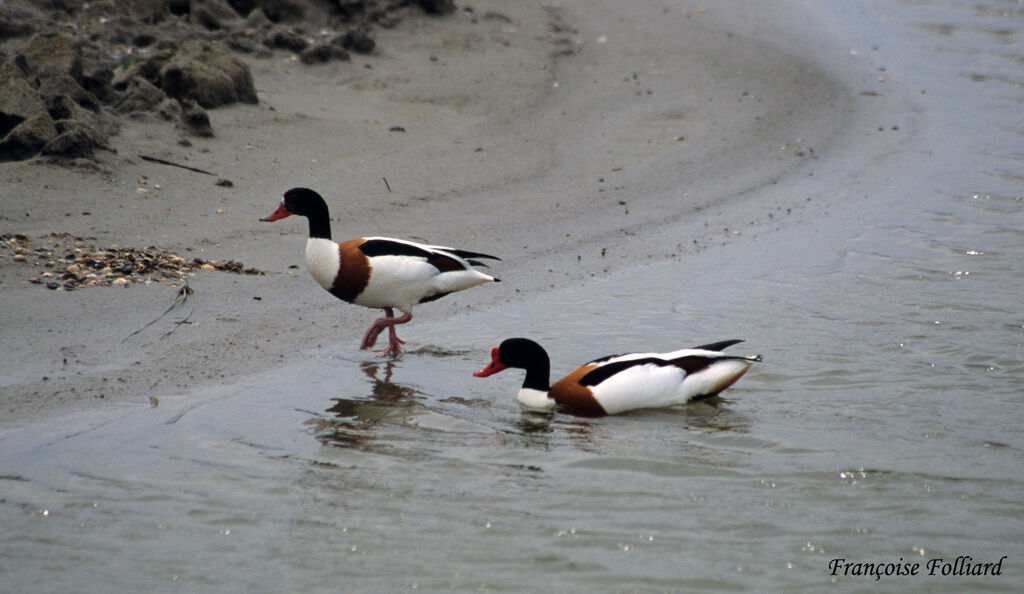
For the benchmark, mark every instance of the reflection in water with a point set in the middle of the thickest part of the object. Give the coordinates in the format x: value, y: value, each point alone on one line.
x: 535, y: 422
x: 547, y: 430
x: 384, y: 389
x: 352, y: 421
x: 713, y: 416
x: 551, y: 430
x: 400, y: 420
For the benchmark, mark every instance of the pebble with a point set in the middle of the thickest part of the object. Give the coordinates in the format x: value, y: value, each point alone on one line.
x: 78, y: 263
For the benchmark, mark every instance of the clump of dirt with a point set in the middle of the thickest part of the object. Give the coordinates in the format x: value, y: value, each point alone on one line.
x: 66, y: 262
x: 69, y: 71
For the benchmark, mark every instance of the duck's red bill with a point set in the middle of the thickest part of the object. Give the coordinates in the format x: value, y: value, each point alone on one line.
x: 493, y: 367
x: 279, y: 213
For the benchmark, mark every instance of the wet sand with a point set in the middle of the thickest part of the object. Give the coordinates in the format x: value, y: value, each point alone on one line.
x: 571, y: 142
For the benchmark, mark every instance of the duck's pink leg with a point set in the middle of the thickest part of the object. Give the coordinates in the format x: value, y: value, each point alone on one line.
x: 389, y: 322
x: 370, y: 338
x: 394, y: 342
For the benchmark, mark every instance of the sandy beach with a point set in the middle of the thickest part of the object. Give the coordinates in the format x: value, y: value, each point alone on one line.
x: 836, y: 183
x: 554, y: 137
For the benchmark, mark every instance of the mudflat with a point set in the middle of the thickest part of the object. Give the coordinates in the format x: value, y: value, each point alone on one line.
x: 569, y: 141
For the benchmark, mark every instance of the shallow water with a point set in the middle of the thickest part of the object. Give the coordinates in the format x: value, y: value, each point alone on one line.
x: 884, y: 423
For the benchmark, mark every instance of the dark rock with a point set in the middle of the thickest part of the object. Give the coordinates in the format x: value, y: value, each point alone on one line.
x: 324, y: 52
x: 202, y: 15
x: 437, y: 6
x: 280, y: 11
x: 144, y: 39
x: 60, y: 107
x: 80, y: 131
x: 247, y: 37
x: 350, y: 9
x: 25, y: 124
x: 285, y: 39
x: 27, y: 138
x: 99, y: 82
x: 76, y: 141
x: 169, y: 109
x: 257, y: 19
x: 240, y: 42
x: 147, y: 67
x: 222, y: 9
x: 244, y: 7
x: 194, y: 119
x: 54, y: 51
x: 18, y: 22
x: 53, y: 83
x: 140, y: 95
x: 359, y: 41
x: 212, y: 14
x: 209, y: 75
x: 178, y: 7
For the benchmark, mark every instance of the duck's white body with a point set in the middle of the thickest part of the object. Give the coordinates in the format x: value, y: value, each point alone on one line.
x: 620, y: 383
x: 398, y: 281
x: 652, y: 385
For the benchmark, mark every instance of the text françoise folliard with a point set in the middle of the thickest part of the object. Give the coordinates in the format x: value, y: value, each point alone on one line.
x: 963, y: 565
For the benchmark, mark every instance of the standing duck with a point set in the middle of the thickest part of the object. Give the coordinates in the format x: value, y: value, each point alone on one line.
x: 379, y: 272
x: 619, y: 383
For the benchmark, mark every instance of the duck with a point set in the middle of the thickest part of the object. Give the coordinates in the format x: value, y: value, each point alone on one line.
x: 379, y: 272
x: 619, y: 383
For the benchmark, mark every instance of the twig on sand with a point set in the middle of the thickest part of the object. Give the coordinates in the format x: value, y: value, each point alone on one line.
x: 182, y: 297
x: 173, y: 164
x: 386, y: 184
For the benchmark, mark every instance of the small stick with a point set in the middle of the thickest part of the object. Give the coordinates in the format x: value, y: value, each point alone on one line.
x: 179, y: 299
x: 183, y: 295
x: 173, y: 164
x: 386, y: 184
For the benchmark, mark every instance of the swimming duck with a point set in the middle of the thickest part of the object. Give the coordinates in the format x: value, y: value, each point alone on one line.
x: 619, y: 383
x: 379, y: 272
